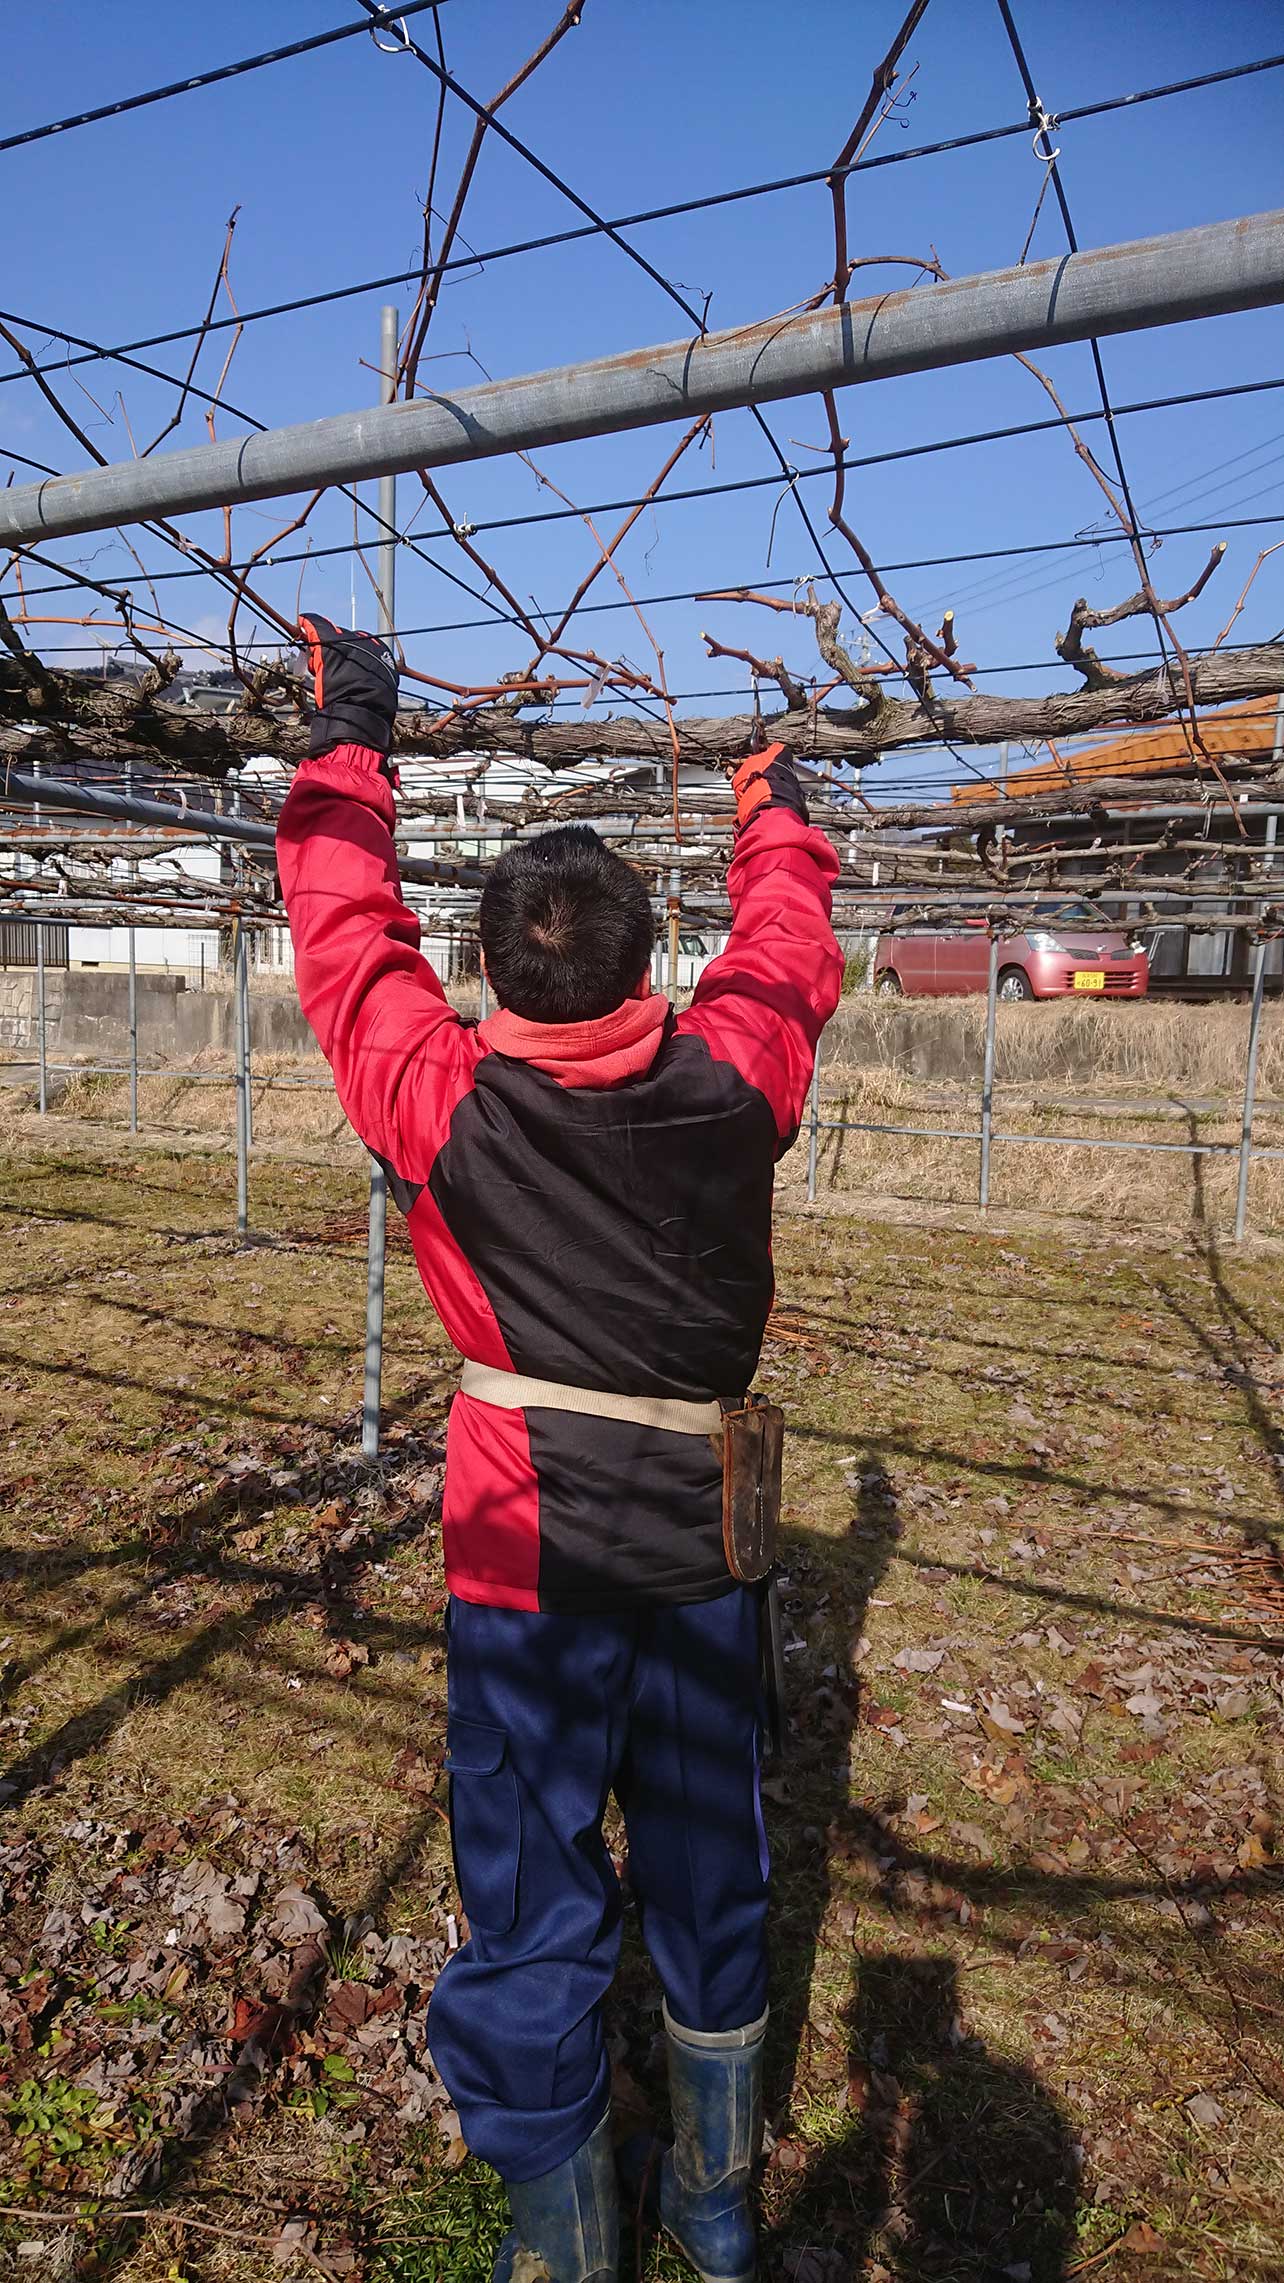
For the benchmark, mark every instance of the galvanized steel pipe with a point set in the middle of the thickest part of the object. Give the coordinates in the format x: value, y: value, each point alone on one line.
x: 1207, y: 272
x: 197, y: 824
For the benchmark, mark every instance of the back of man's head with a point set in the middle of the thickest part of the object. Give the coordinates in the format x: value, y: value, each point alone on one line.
x: 566, y: 927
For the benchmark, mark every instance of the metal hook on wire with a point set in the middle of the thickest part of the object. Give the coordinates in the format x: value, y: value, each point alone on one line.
x: 400, y: 46
x: 1044, y: 123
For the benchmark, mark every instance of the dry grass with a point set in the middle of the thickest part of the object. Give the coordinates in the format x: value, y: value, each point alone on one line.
x: 1126, y: 1188
x: 1158, y: 1046
x: 1027, y: 1931
x: 293, y: 1099
x: 1177, y: 1070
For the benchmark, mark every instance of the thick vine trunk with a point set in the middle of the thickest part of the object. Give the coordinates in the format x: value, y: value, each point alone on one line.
x: 79, y: 719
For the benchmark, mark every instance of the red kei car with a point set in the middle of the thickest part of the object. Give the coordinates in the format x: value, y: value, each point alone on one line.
x: 1073, y: 949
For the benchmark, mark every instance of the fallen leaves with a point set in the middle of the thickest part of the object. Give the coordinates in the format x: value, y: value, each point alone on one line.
x: 1142, y: 2238
x: 212, y: 1902
x: 1002, y: 1809
x: 918, y: 1660
x: 295, y: 1916
x: 295, y: 2237
x: 346, y: 1657
x: 998, y: 1720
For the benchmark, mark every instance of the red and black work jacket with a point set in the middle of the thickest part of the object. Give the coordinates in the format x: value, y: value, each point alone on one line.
x: 588, y: 1202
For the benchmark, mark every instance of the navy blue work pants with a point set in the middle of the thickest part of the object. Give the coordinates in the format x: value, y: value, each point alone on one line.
x: 547, y: 1716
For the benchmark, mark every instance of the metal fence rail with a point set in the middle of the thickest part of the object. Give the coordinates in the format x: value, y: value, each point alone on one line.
x: 984, y: 1136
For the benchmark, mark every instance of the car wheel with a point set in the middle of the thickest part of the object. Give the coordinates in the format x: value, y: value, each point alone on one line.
x: 1014, y: 984
x: 888, y: 984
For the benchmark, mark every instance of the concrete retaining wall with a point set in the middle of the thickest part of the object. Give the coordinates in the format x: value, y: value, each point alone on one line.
x: 87, y: 1019
x: 920, y: 1041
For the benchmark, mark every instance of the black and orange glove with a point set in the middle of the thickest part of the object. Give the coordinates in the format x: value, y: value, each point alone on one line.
x: 767, y: 781
x: 354, y: 677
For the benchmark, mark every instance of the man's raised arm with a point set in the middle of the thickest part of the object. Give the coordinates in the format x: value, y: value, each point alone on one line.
x: 397, y: 1049
x: 762, y: 1004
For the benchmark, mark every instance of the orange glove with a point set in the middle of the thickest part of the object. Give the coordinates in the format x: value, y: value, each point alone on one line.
x: 767, y: 781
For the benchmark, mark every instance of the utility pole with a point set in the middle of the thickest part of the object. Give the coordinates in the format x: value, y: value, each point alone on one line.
x: 377, y: 1237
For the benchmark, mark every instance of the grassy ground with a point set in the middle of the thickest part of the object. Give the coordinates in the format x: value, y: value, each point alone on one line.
x: 1027, y: 2019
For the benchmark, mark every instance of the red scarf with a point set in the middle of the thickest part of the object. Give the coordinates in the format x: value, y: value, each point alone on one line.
x: 601, y: 1053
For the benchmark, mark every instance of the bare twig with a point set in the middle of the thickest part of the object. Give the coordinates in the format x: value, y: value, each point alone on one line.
x: 606, y: 548
x: 1150, y: 600
x: 50, y: 2219
x: 1070, y: 645
x: 421, y: 315
x: 265, y: 548
x: 52, y: 399
x: 459, y: 534
x: 1244, y: 593
x: 220, y: 279
x: 881, y: 85
x: 606, y: 558
x: 767, y: 669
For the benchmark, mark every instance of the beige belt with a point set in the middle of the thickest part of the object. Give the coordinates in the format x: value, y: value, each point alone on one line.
x: 511, y: 1391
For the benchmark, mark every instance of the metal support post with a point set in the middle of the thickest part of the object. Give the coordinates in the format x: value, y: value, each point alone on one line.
x: 42, y: 1054
x: 675, y: 927
x: 813, y: 1137
x: 243, y: 987
x: 133, y: 1033
x: 987, y: 1075
x: 241, y: 981
x: 376, y: 1254
x: 239, y: 996
x: 41, y: 1033
x: 1255, y: 1017
x: 377, y: 1224
x: 1250, y: 1092
x: 131, y: 875
x: 485, y: 994
x: 388, y: 333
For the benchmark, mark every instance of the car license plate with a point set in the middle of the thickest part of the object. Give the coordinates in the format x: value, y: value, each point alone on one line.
x: 1089, y: 979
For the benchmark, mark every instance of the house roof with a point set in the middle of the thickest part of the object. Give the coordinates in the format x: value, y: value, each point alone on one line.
x: 1244, y: 729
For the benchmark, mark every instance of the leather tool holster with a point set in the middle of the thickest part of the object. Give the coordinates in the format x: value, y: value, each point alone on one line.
x: 753, y: 1436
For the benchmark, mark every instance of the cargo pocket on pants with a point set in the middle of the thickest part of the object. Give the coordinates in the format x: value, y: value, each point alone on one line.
x: 485, y: 1824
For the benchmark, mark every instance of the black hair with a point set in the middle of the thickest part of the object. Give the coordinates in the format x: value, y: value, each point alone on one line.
x: 566, y: 927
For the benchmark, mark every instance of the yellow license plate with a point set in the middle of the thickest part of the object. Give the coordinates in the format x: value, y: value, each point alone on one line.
x: 1089, y: 979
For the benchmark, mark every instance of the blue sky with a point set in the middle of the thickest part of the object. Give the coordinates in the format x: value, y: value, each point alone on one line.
x: 114, y: 232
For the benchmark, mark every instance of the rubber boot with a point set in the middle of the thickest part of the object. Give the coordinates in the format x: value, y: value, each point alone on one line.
x: 566, y: 2224
x: 715, y: 2091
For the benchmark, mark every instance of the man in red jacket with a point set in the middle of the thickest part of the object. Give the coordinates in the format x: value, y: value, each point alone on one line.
x: 587, y: 1181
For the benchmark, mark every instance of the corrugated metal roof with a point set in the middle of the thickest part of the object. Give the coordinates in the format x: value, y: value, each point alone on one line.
x: 1247, y: 728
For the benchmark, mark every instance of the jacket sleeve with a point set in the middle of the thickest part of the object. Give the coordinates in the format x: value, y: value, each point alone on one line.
x: 764, y: 1001
x: 401, y: 1057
